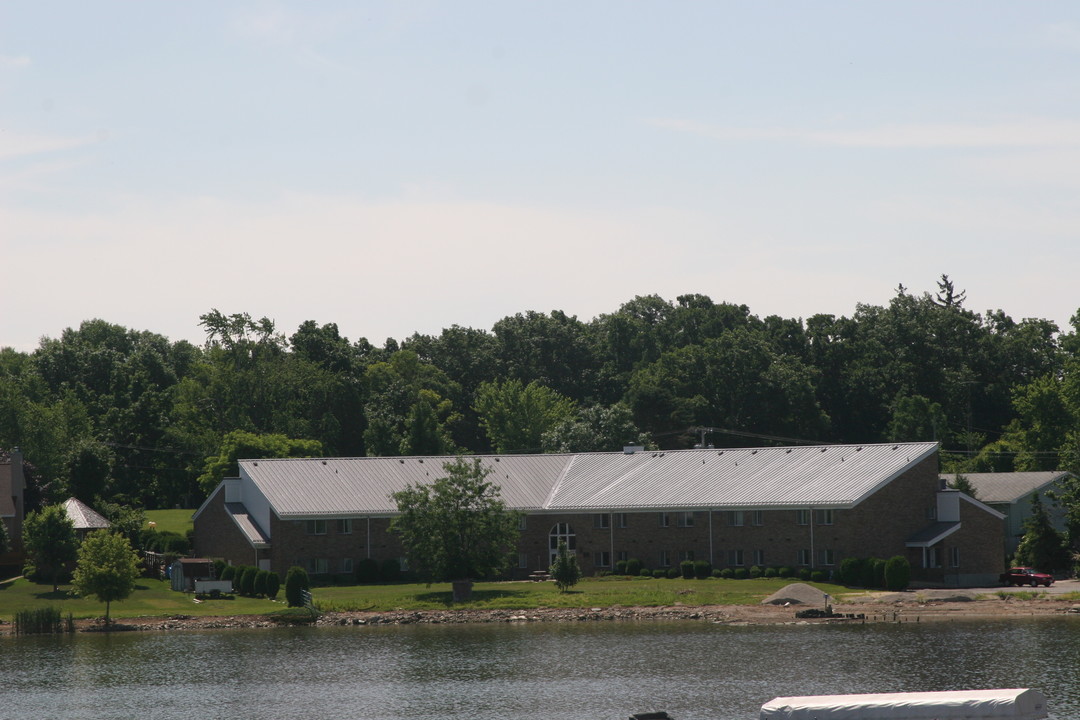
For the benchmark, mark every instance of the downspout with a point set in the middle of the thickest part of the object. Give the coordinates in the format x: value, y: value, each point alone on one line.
x: 811, y: 539
x: 367, y: 545
x: 611, y: 539
x: 712, y: 558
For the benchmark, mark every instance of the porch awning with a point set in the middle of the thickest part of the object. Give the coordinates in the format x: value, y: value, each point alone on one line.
x: 932, y: 534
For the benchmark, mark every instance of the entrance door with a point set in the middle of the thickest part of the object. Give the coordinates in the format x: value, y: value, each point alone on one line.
x: 561, y: 532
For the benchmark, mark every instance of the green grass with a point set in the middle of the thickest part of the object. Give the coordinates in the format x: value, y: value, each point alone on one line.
x: 154, y: 598
x: 590, y: 592
x: 177, y: 521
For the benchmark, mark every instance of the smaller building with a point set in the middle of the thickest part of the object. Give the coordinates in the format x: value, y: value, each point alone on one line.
x: 12, y: 489
x: 84, y: 518
x: 1010, y: 494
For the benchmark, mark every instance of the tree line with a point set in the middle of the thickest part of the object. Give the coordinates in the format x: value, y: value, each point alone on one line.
x: 108, y: 413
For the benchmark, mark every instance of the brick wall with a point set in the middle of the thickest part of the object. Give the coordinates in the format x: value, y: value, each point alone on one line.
x: 217, y: 536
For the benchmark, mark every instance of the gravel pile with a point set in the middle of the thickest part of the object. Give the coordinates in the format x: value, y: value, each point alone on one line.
x: 796, y: 594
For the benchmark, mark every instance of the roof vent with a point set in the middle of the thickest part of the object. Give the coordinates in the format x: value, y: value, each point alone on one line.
x: 787, y: 451
x: 323, y: 462
x: 401, y: 461
x: 753, y: 452
x: 824, y: 449
x: 631, y: 449
x: 421, y: 461
x: 496, y: 459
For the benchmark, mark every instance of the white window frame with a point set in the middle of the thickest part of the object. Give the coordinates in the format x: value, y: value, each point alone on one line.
x: 603, y: 558
x: 802, y: 517
x: 736, y: 518
x: 620, y: 520
x: 315, y: 527
x: 665, y: 519
x: 347, y: 566
x: 757, y: 518
x: 601, y: 521
x: 736, y: 558
x: 823, y: 516
x: 344, y: 526
x: 685, y: 519
x: 803, y: 558
x: 759, y: 558
x: 954, y: 556
x: 664, y: 558
x: 828, y: 556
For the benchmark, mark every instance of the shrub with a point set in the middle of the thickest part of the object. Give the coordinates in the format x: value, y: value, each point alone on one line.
x: 878, y: 566
x: 897, y: 573
x: 741, y: 573
x: 716, y: 572
x: 673, y: 572
x: 633, y: 566
x: 620, y: 568
x: 296, y: 581
x: 259, y: 586
x: 390, y: 570
x: 228, y: 573
x: 755, y: 571
x: 686, y: 569
x: 367, y: 571
x: 645, y: 572
x: 727, y: 573
x: 819, y: 576
x: 219, y: 567
x: 702, y: 569
x: 659, y: 573
x: 785, y: 571
x: 247, y: 580
x: 273, y: 585
x: 770, y: 572
x: 804, y: 573
x: 850, y: 571
x: 866, y: 573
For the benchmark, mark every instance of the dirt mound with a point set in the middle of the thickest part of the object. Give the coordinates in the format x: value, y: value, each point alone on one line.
x: 796, y: 594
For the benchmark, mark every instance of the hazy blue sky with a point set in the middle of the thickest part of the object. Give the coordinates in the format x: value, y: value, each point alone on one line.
x: 401, y: 167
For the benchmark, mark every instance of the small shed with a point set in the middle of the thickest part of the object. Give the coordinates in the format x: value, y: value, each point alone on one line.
x: 185, y: 571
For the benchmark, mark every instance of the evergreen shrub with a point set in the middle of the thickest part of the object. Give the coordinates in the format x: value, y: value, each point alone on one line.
x: 633, y: 566
x: 702, y: 569
x: 897, y: 573
x: 367, y: 571
x: 755, y: 572
x: 686, y: 569
x: 770, y: 572
x: 273, y: 585
x: 673, y: 572
x: 741, y: 573
x: 785, y: 571
x: 390, y: 570
x: 727, y: 573
x: 296, y: 581
x: 259, y: 586
x: 620, y: 568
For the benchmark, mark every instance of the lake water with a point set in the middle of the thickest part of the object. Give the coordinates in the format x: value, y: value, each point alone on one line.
x: 572, y: 671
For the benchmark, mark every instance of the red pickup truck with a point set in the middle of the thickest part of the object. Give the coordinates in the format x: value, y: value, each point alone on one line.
x: 1025, y: 576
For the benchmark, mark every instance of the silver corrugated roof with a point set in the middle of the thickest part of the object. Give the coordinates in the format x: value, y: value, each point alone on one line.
x: 247, y: 524
x: 1008, y: 487
x: 836, y: 476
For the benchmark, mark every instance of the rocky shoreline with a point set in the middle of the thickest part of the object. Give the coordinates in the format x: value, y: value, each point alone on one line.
x: 866, y: 611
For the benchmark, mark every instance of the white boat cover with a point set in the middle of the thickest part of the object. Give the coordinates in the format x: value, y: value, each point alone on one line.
x: 1015, y: 704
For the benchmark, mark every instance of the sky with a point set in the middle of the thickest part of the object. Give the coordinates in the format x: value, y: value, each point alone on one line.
x: 401, y: 167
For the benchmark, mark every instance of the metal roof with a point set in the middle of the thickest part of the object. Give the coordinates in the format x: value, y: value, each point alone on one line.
x: 1008, y: 487
x: 835, y: 476
x: 247, y: 525
x: 83, y: 517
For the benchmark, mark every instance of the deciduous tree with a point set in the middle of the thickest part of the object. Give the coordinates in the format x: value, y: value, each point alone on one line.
x: 49, y: 536
x: 107, y: 568
x: 456, y: 528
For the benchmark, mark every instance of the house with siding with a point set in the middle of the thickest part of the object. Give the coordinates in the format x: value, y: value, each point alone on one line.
x: 1010, y: 493
x: 803, y: 507
x: 12, y: 510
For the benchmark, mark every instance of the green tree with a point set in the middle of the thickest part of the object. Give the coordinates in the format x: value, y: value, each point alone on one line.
x: 565, y: 571
x: 897, y: 573
x: 107, y: 568
x: 49, y: 537
x: 456, y: 528
x: 241, y: 445
x: 1041, y: 546
x: 596, y: 429
x: 515, y: 416
x: 961, y: 483
x: 5, y: 538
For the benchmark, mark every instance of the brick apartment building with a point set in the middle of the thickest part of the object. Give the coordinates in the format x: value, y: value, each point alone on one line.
x: 778, y: 506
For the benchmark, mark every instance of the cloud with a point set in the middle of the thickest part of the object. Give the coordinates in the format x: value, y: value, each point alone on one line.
x: 1031, y: 133
x: 14, y: 61
x: 15, y: 144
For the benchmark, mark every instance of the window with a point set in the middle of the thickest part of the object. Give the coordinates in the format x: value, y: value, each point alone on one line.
x: 620, y: 520
x: 735, y: 557
x: 521, y: 522
x: 828, y: 557
x: 823, y: 517
x: 735, y: 518
x: 346, y: 566
x: 665, y: 519
x: 601, y: 521
x: 523, y: 561
x: 757, y: 518
x: 759, y: 558
x: 603, y: 558
x: 344, y: 526
x: 685, y: 519
x: 561, y: 533
x: 686, y: 555
x: 622, y: 556
x: 665, y: 559
x: 954, y: 557
x: 318, y: 566
x: 802, y: 517
x: 315, y: 527
x: 931, y: 512
x: 804, y: 557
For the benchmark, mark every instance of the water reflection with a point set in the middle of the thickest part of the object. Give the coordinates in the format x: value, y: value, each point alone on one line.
x: 543, y: 671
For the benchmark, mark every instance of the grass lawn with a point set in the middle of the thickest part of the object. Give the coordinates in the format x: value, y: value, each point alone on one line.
x: 154, y: 598
x: 177, y: 521
x: 590, y: 592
